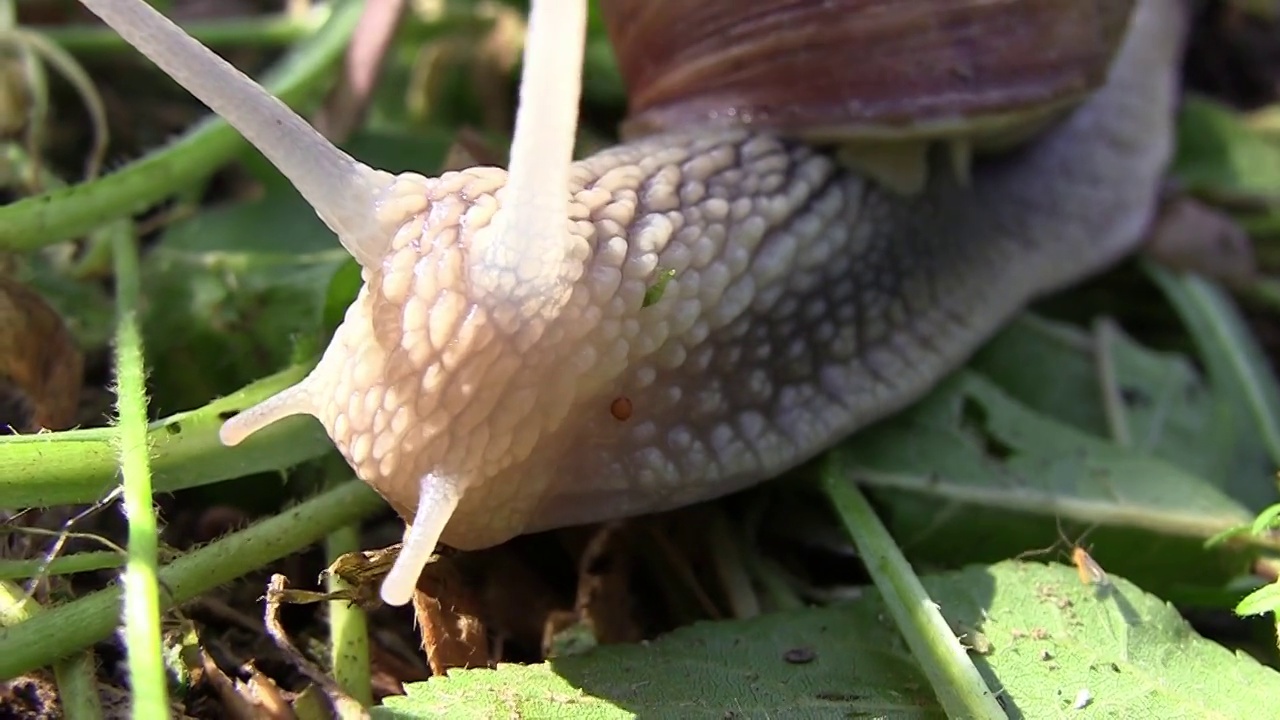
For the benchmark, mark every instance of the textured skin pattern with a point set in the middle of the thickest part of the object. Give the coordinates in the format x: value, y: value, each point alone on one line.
x: 804, y: 304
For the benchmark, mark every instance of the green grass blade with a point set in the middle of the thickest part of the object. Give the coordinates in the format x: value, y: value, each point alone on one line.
x: 959, y: 686
x: 348, y: 624
x: 142, y: 595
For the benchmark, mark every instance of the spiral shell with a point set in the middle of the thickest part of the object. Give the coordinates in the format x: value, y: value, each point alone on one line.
x: 875, y: 69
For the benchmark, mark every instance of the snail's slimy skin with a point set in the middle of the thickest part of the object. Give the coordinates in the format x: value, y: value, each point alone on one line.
x: 805, y: 303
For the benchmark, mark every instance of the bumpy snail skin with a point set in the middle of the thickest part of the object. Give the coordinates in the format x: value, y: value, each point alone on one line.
x: 804, y: 303
x: 807, y: 302
x: 517, y: 265
x: 801, y: 303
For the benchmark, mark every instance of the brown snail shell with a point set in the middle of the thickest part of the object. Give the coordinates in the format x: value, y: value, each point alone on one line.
x: 879, y: 75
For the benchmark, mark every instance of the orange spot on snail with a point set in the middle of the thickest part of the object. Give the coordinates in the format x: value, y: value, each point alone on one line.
x: 620, y: 409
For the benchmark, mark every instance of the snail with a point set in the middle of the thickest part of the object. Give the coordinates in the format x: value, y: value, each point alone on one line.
x: 883, y: 81
x: 474, y: 380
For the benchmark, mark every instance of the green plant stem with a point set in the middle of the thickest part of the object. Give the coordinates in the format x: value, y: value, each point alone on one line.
x: 75, y: 675
x: 262, y: 31
x: 958, y: 684
x: 68, y: 628
x: 65, y: 213
x: 1104, y: 336
x: 79, y: 466
x: 348, y: 626
x: 68, y: 565
x: 141, y: 592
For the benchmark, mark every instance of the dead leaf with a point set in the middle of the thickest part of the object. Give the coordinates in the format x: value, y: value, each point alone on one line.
x: 602, y: 611
x: 237, y: 701
x: 362, y: 572
x: 41, y: 367
x: 345, y: 705
x: 266, y: 694
x: 448, y: 613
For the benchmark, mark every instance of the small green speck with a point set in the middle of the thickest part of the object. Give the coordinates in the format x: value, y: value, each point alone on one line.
x: 654, y: 292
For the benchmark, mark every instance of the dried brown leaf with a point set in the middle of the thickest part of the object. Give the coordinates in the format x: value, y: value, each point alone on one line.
x: 449, y: 619
x: 41, y: 367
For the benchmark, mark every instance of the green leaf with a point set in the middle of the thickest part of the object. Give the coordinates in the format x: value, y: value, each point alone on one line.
x: 1159, y: 405
x: 84, y: 305
x: 1171, y: 412
x: 970, y: 474
x: 1263, y: 600
x: 1052, y: 636
x: 845, y: 661
x: 229, y: 315
x: 654, y: 292
x: 1266, y: 520
x: 1238, y: 370
x: 1219, y: 156
x: 1044, y: 637
x: 343, y: 288
x: 1029, y: 349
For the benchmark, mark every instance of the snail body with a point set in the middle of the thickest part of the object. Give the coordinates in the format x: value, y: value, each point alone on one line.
x: 474, y: 381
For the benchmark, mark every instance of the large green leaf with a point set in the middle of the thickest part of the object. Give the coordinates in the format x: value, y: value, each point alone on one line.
x: 1039, y: 636
x: 1238, y: 369
x: 1047, y: 637
x: 1168, y: 408
x: 971, y: 473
